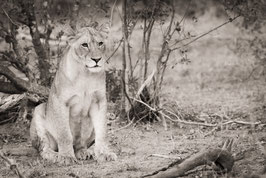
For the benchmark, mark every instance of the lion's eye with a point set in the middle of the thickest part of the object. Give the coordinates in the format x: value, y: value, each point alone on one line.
x: 85, y: 45
x: 100, y: 43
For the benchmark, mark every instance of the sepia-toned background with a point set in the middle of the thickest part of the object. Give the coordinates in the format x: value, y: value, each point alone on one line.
x: 182, y: 76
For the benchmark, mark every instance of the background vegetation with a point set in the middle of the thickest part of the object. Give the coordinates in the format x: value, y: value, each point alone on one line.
x: 182, y: 63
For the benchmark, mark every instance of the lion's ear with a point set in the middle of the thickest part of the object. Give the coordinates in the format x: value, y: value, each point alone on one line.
x: 105, y: 29
x: 71, y: 37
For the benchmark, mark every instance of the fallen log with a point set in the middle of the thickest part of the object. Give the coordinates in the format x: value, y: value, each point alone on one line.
x: 220, y: 157
x: 12, y: 106
x: 10, y: 101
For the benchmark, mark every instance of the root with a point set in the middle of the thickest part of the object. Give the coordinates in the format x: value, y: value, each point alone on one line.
x: 12, y: 165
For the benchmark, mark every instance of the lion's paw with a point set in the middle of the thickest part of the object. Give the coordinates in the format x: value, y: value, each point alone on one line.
x: 49, y: 155
x: 104, y: 154
x: 66, y: 159
x: 55, y: 157
x: 84, y: 154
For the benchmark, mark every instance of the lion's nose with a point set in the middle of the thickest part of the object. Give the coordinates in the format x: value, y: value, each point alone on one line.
x: 96, y: 60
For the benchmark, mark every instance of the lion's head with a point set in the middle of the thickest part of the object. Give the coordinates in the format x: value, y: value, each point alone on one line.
x: 88, y: 48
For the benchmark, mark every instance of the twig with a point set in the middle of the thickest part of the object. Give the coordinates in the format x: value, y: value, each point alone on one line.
x: 14, y: 23
x: 120, y: 42
x: 178, y: 23
x: 165, y: 156
x: 151, y: 108
x: 251, y: 74
x: 173, y: 114
x: 241, y: 122
x: 112, y: 11
x: 185, y: 122
x: 178, y: 41
x: 210, y: 132
x: 121, y: 128
x: 188, y: 122
x: 206, y: 33
x: 168, y: 36
x: 12, y: 164
x: 185, y: 12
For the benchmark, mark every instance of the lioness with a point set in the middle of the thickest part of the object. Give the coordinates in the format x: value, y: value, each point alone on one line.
x: 75, y: 114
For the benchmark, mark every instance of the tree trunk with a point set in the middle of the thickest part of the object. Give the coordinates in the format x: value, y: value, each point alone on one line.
x: 124, y: 64
x: 43, y: 56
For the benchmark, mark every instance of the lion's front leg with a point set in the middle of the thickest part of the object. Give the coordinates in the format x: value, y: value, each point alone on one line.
x: 65, y: 147
x: 50, y: 133
x: 40, y: 137
x: 98, y: 115
x: 60, y: 130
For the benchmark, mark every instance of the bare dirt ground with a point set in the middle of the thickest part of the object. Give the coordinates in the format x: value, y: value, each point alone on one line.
x: 136, y: 146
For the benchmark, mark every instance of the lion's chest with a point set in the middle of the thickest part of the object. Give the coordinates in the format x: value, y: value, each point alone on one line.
x: 82, y: 95
x: 79, y: 104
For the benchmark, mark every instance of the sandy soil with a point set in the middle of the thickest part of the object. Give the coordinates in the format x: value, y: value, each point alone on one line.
x: 135, y: 147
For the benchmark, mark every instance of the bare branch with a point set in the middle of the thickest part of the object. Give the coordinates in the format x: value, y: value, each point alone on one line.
x: 187, y: 122
x: 184, y: 16
x: 14, y: 23
x: 119, y: 44
x: 167, y: 35
x: 206, y: 33
x: 241, y: 122
x: 178, y: 41
x: 167, y: 157
x: 151, y: 108
x: 112, y: 12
